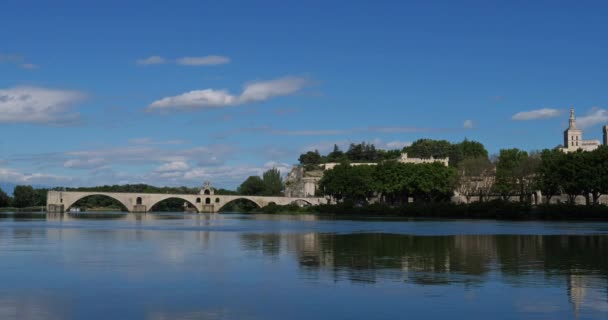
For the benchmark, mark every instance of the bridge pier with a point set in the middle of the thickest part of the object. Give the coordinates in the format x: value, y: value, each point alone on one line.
x: 54, y: 208
x: 139, y: 208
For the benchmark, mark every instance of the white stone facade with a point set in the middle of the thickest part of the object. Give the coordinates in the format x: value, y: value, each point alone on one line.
x: 405, y: 159
x: 573, y: 138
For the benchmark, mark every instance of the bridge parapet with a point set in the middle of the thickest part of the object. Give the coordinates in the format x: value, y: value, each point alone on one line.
x: 59, y: 201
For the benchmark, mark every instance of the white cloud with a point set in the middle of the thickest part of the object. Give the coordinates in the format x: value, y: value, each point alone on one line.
x: 89, y: 163
x: 536, y: 114
x: 16, y: 60
x: 594, y: 117
x: 149, y: 141
x: 151, y: 60
x: 202, y: 61
x: 468, y: 124
x: 398, y: 144
x: 14, y: 176
x: 38, y: 105
x: 207, y: 98
x: 213, y: 98
x: 173, y: 166
x: 284, y: 168
x: 263, y: 90
x: 29, y: 66
x: 10, y: 58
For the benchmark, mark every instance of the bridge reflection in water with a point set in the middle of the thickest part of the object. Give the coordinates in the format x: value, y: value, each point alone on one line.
x: 535, y: 274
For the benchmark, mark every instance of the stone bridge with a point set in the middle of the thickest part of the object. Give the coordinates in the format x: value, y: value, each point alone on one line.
x: 206, y: 202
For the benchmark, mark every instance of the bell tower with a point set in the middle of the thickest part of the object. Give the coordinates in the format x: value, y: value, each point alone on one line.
x: 573, y: 137
x: 605, y: 129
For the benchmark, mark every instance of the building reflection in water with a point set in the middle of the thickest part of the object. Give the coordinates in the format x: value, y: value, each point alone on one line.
x: 577, y: 263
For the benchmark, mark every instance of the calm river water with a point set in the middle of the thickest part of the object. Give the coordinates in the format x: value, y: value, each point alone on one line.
x: 230, y: 266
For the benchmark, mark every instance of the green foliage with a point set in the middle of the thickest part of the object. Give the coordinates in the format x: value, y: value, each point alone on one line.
x: 511, y: 170
x: 97, y: 201
x: 252, y: 186
x: 355, y: 183
x: 270, y: 184
x: 549, y: 178
x: 393, y: 181
x: 362, y: 152
x: 423, y: 148
x: 336, y: 156
x: 25, y: 196
x: 5, y: 200
x: 310, y: 158
x: 273, y: 183
x: 426, y: 148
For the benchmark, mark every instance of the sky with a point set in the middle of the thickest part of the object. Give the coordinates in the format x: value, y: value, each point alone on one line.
x: 181, y: 92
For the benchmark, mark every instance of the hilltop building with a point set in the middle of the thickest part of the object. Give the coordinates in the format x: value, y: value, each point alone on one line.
x: 573, y: 138
x: 302, y: 183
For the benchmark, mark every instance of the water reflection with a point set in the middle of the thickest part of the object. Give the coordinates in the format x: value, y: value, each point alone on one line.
x: 234, y: 267
x: 577, y: 263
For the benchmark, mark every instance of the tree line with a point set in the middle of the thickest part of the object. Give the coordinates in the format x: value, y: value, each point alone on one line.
x: 422, y: 148
x: 513, y: 173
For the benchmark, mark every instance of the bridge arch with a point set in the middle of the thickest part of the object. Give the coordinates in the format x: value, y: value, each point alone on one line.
x: 222, y: 205
x: 192, y: 203
x: 295, y: 201
x: 68, y: 203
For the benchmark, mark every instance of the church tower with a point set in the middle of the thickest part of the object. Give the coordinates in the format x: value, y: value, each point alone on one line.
x: 605, y: 129
x: 573, y: 137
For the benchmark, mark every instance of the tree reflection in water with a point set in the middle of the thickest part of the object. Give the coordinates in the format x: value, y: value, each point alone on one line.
x: 577, y: 262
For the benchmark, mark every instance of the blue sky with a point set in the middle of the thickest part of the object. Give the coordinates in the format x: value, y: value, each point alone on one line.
x: 175, y: 93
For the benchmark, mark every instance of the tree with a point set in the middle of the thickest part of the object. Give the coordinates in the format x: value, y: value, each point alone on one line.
x: 526, y: 174
x: 426, y: 148
x: 393, y: 181
x: 5, y: 200
x: 310, y: 160
x: 472, y: 149
x: 273, y: 182
x: 252, y: 186
x: 569, y: 172
x: 593, y: 172
x: 549, y: 178
x: 362, y: 152
x: 433, y: 181
x: 476, y: 177
x: 346, y: 182
x: 24, y: 196
x: 508, y: 171
x: 336, y: 155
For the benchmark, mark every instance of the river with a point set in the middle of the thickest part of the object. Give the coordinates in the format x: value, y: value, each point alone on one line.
x: 232, y: 266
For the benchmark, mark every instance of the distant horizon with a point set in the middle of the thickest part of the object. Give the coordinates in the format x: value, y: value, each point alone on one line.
x: 175, y: 95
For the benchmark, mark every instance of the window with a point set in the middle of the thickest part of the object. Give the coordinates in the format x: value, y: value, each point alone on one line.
x: 208, y: 201
x: 198, y: 200
x: 138, y: 201
x: 217, y: 200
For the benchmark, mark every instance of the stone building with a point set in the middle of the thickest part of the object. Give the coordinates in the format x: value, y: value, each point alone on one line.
x: 573, y: 138
x: 405, y: 159
x: 303, y: 183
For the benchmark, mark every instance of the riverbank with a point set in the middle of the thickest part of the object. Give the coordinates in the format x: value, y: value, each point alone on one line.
x: 26, y: 209
x: 478, y: 210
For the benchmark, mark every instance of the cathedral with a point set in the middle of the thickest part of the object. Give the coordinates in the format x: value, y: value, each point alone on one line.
x: 573, y: 138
